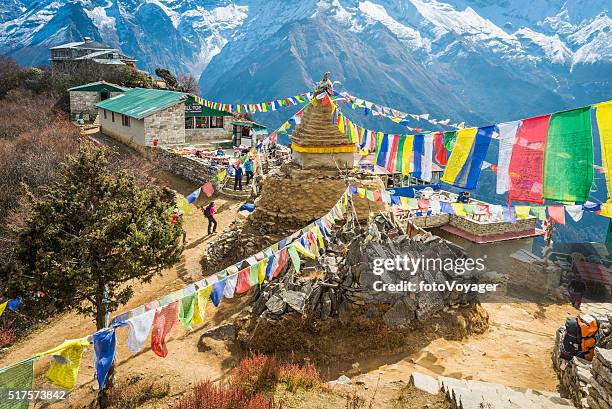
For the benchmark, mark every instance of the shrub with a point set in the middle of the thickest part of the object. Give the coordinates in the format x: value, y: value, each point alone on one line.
x: 299, y: 376
x: 7, y: 335
x: 256, y: 373
x: 133, y: 393
x: 207, y: 395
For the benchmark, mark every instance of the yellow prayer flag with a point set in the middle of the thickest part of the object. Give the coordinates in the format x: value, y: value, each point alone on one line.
x: 458, y: 209
x: 404, y: 203
x: 64, y: 371
x: 522, y: 212
x: 202, y: 296
x: 319, y: 235
x: 604, y: 124
x: 459, y: 155
x: 263, y: 264
x: 407, y: 155
x: 606, y: 210
x: 361, y: 192
x: 302, y: 250
x: 3, y: 307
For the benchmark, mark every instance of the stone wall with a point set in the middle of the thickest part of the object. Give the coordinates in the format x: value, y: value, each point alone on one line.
x: 430, y: 221
x: 600, y: 388
x: 208, y: 135
x: 167, y: 126
x: 489, y: 229
x: 188, y: 167
x: 85, y: 102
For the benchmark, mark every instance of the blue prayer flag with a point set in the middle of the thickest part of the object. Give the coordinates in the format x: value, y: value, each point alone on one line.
x: 104, y: 354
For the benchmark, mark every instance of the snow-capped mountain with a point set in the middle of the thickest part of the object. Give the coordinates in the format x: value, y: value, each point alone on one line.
x: 474, y: 60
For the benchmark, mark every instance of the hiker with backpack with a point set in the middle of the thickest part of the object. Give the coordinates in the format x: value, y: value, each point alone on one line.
x: 577, y: 287
x: 238, y: 176
x: 209, y: 212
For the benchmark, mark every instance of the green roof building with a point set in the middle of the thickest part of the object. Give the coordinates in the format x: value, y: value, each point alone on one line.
x: 83, y: 99
x: 144, y: 117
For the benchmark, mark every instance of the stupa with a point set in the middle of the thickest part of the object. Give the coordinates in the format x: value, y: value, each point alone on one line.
x: 322, y: 166
x: 316, y: 141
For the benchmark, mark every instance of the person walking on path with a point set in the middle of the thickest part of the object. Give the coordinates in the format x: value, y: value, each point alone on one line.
x: 248, y: 169
x: 209, y: 213
x: 238, y: 176
x: 577, y: 287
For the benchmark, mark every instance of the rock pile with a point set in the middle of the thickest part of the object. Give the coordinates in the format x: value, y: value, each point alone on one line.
x: 343, y: 277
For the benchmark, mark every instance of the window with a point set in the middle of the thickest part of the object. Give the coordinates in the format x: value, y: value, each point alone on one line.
x: 113, y: 116
x: 188, y: 122
x: 104, y: 110
x: 216, y: 122
x: 199, y: 122
x: 125, y: 120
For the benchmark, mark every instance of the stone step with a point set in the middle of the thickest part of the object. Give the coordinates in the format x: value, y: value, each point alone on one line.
x: 472, y: 394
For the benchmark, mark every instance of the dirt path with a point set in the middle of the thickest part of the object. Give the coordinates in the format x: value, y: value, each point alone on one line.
x: 184, y: 363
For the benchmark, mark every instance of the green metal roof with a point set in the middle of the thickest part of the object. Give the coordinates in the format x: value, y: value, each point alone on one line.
x: 141, y: 102
x: 100, y: 86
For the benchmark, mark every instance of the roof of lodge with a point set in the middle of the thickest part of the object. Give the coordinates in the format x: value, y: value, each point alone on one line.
x: 99, y: 86
x: 142, y: 102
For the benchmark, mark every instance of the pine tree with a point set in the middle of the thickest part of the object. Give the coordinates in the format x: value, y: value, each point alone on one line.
x: 92, y: 235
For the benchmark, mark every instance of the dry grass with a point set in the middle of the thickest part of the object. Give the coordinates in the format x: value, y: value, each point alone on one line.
x: 135, y: 392
x: 208, y: 395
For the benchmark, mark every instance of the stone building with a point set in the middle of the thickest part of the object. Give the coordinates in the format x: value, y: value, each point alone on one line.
x: 143, y: 117
x: 83, y: 99
x: 87, y: 53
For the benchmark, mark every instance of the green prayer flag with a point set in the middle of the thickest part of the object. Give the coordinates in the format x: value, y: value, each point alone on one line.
x: 18, y: 377
x: 254, y: 274
x: 568, y: 157
x: 399, y: 159
x: 469, y: 209
x: 186, y: 310
x: 370, y: 195
x: 295, y: 258
x: 539, y: 212
x: 448, y: 140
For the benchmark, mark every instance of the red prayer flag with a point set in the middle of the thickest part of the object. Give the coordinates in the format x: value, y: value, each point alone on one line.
x: 393, y: 154
x: 162, y: 324
x: 243, y: 284
x: 377, y: 196
x: 423, y: 204
x: 439, y: 149
x: 283, y: 257
x: 557, y: 213
x: 527, y: 160
x: 208, y: 189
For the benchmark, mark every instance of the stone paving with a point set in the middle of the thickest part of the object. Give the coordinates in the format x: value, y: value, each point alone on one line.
x: 470, y: 394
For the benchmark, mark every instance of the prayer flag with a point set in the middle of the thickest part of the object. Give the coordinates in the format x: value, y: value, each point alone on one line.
x: 14, y: 303
x: 104, y: 344
x: 208, y: 189
x: 509, y: 214
x: 139, y: 327
x: 568, y: 158
x: 230, y: 285
x: 422, y: 156
x: 295, y: 258
x: 3, y: 307
x: 199, y: 311
x: 507, y: 136
x: 194, y: 196
x: 186, y: 310
x: 162, y: 325
x: 382, y: 151
x: 575, y: 211
x: 64, y: 371
x: 557, y: 213
x: 439, y: 149
x: 459, y: 155
x: 603, y: 115
x: 17, y: 377
x: 539, y: 212
x: 217, y: 292
x: 522, y: 212
x: 458, y: 209
x: 394, y: 142
x: 527, y: 159
x: 467, y: 165
x: 445, y: 207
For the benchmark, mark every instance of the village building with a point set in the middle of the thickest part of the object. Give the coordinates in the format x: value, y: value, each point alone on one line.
x: 143, y: 117
x: 247, y: 133
x: 76, y: 55
x: 83, y: 99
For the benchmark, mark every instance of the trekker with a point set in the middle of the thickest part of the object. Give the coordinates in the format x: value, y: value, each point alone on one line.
x: 576, y: 288
x: 464, y: 197
x: 209, y: 212
x: 237, y: 176
x: 248, y: 169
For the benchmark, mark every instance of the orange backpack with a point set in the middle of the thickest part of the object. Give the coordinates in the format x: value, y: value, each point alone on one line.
x: 581, y: 337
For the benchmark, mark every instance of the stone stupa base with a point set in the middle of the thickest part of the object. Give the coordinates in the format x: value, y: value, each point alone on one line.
x: 292, y: 196
x: 340, y: 160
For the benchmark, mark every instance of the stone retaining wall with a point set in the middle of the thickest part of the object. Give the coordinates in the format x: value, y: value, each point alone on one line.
x: 489, y: 229
x: 188, y: 167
